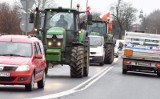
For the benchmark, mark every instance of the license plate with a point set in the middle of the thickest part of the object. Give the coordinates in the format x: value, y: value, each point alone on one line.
x: 90, y: 58
x: 144, y: 64
x: 4, y: 74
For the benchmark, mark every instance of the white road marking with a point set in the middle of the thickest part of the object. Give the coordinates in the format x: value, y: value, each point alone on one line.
x: 79, y: 87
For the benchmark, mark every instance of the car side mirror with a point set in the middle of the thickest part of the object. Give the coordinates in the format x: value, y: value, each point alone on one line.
x: 39, y: 56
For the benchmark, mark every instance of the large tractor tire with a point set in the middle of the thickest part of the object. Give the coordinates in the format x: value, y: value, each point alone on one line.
x: 109, y: 54
x: 86, y: 57
x: 77, y: 62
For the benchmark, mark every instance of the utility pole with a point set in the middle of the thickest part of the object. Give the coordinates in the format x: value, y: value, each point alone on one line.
x: 71, y: 3
x: 86, y: 3
x: 43, y: 4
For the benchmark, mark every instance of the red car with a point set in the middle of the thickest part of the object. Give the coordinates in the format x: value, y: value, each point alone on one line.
x: 22, y: 61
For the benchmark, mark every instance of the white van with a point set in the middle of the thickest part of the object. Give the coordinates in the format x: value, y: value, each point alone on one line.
x: 97, y: 51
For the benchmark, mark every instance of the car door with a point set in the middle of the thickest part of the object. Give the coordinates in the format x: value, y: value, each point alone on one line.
x: 36, y: 61
x: 41, y: 62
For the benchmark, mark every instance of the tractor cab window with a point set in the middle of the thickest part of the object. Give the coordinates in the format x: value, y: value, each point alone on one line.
x: 97, y: 27
x: 60, y: 19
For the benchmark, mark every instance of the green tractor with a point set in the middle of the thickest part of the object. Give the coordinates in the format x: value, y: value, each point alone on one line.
x: 64, y: 41
x: 100, y: 28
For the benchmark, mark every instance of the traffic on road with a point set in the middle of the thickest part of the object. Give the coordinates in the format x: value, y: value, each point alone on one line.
x: 60, y: 52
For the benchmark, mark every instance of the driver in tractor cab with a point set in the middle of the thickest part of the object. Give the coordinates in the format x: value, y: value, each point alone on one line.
x: 96, y: 28
x: 62, y: 22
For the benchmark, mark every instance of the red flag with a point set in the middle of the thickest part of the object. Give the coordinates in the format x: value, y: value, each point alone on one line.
x: 106, y: 16
x: 110, y: 26
x: 88, y: 10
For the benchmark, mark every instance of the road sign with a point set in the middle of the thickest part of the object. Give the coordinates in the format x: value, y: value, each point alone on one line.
x: 25, y: 26
x: 27, y: 4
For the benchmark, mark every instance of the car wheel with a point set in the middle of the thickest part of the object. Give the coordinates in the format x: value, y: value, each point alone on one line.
x: 124, y: 71
x: 41, y: 83
x: 101, y: 64
x: 30, y: 86
x: 158, y: 72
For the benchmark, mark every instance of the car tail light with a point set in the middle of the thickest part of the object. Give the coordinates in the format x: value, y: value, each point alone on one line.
x: 127, y: 62
x: 158, y: 65
x: 128, y: 52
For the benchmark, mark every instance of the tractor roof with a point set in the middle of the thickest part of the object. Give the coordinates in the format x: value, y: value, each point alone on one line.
x: 60, y: 9
x: 99, y: 21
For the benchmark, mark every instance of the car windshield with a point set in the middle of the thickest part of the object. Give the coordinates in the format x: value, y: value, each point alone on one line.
x: 15, y: 49
x: 97, y: 27
x: 95, y: 41
x: 60, y: 19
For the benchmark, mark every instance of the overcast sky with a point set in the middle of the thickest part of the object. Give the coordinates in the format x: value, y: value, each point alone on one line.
x: 103, y: 5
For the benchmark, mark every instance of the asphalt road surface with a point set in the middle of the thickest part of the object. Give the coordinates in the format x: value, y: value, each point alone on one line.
x: 104, y: 82
x: 57, y: 81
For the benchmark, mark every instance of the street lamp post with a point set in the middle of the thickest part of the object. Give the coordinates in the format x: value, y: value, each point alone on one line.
x: 71, y: 3
x: 86, y: 3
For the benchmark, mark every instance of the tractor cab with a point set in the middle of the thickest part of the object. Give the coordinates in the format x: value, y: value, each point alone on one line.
x: 98, y: 28
x: 65, y: 42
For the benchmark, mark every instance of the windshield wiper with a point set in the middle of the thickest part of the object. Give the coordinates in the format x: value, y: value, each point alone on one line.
x: 12, y: 55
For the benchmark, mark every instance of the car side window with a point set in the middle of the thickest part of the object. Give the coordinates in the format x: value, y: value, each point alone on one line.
x: 35, y: 49
x: 38, y: 48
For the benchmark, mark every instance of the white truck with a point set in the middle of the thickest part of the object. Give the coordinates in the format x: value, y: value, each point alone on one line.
x: 141, y: 52
x: 97, y: 50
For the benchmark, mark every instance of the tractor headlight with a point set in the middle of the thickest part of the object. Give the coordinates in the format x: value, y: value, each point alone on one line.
x: 23, y: 68
x: 58, y: 43
x: 49, y: 43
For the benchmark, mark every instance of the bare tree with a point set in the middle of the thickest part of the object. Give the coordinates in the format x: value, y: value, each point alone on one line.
x: 123, y: 15
x: 9, y: 19
x: 151, y: 23
x: 45, y: 3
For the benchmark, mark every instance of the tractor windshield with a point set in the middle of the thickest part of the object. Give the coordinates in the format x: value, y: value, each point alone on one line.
x: 97, y: 27
x: 59, y: 19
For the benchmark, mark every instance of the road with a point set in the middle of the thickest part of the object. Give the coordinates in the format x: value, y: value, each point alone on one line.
x: 58, y: 80
x: 104, y: 82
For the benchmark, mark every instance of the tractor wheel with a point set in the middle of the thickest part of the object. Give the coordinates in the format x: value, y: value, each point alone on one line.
x: 109, y: 54
x: 86, y: 57
x: 77, y: 62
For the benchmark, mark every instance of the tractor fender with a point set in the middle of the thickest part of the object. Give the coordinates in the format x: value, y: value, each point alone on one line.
x: 77, y: 44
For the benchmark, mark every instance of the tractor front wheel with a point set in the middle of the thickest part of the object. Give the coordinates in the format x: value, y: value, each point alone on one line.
x: 77, y: 62
x: 109, y: 54
x: 86, y: 58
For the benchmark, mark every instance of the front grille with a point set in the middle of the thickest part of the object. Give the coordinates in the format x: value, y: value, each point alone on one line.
x: 9, y: 68
x: 7, y: 78
x: 93, y: 52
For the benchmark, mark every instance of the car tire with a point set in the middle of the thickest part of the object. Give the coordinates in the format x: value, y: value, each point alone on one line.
x: 158, y: 72
x: 101, y: 64
x: 41, y: 83
x: 30, y: 86
x: 124, y: 71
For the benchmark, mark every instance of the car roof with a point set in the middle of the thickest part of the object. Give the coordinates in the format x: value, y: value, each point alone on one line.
x: 18, y: 38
